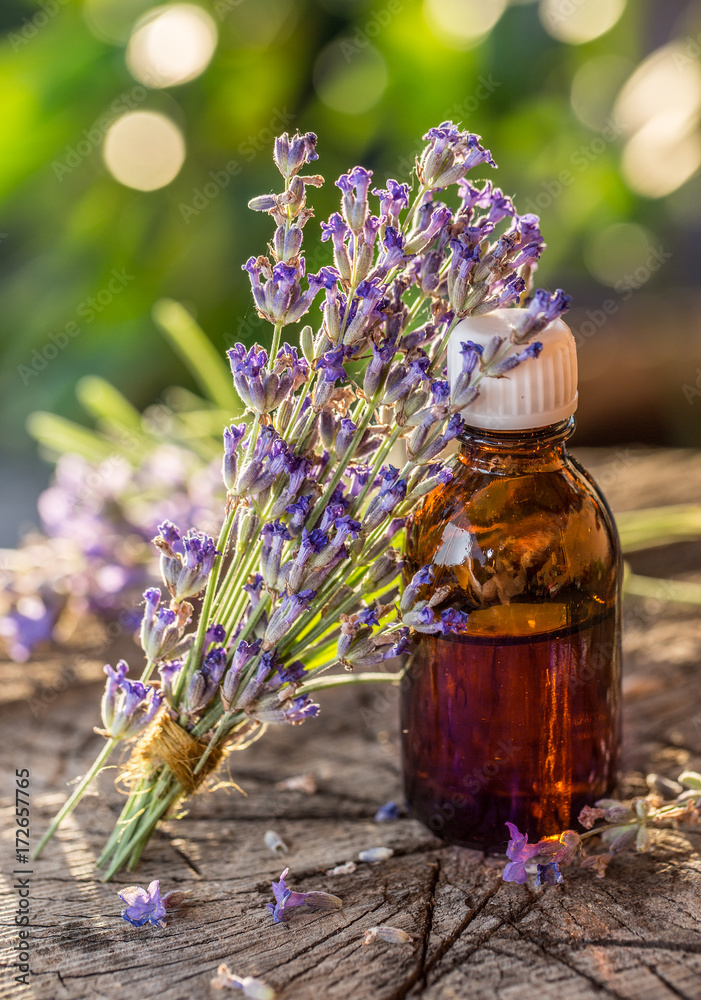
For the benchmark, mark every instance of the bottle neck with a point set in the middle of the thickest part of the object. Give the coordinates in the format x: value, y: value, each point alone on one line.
x: 512, y: 452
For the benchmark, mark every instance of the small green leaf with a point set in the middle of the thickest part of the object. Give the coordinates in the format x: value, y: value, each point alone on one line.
x: 103, y: 402
x: 198, y: 353
x: 62, y: 436
x: 690, y: 779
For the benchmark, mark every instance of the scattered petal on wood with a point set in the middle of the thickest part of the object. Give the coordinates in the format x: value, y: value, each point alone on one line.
x: 299, y: 783
x: 395, y: 935
x: 347, y: 869
x: 375, y: 854
x: 275, y: 843
x: 255, y: 989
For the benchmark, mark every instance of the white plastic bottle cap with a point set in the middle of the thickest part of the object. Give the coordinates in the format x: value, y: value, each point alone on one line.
x: 537, y: 392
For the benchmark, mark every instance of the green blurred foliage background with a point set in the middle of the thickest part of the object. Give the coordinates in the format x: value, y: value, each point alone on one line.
x: 369, y: 78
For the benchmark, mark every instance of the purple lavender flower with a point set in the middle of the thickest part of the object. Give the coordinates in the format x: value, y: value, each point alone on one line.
x: 548, y: 874
x: 358, y: 475
x: 344, y: 438
x: 127, y: 706
x: 436, y: 223
x: 186, y: 561
x: 205, y: 682
x: 519, y: 852
x: 169, y: 670
x: 388, y: 812
x: 364, y: 312
x: 394, y: 253
x: 161, y: 628
x: 344, y: 528
x: 507, y: 364
x: 290, y: 155
x: 354, y: 200
x: 463, y: 259
x: 147, y: 906
x: 233, y: 436
x: 253, y: 588
x: 337, y: 231
x: 26, y: 629
x: 403, y: 378
x: 114, y: 680
x: 449, y: 155
x: 284, y: 616
x: 391, y: 493
x: 274, y: 535
x: 298, y: 511
x: 509, y: 292
x: 244, y: 654
x: 311, y: 543
x: 541, y: 310
x: 331, y: 363
x: 393, y: 200
x: 286, y: 899
x: 259, y: 389
x: 277, y: 291
x: 420, y: 579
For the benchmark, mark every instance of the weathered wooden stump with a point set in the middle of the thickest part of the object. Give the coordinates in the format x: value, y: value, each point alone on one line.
x: 635, y: 934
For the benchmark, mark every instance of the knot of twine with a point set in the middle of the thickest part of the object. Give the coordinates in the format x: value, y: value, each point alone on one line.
x: 167, y: 743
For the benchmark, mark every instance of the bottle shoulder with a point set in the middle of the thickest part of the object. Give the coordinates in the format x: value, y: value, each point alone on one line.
x: 535, y: 537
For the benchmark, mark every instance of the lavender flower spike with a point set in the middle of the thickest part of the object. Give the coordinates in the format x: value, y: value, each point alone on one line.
x: 186, y: 561
x: 541, y: 310
x: 286, y: 899
x: 127, y: 706
x: 161, y: 628
x: 354, y: 202
x: 290, y: 155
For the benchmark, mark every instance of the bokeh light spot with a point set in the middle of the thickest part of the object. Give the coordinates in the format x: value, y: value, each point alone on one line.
x: 617, y: 251
x: 660, y: 84
x: 171, y: 45
x: 579, y: 21
x: 661, y: 156
x: 144, y: 150
x: 595, y: 86
x: 350, y: 80
x: 461, y: 24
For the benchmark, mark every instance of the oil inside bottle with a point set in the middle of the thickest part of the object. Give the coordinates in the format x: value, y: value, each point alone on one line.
x: 517, y: 718
x: 515, y: 728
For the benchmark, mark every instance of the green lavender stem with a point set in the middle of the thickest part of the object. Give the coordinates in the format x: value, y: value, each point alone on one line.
x: 76, y: 796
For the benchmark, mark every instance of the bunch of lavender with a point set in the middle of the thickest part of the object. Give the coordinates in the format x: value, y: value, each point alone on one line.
x: 623, y: 827
x: 93, y: 558
x: 304, y: 574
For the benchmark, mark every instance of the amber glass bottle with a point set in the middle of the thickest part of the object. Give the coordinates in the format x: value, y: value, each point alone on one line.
x: 517, y: 717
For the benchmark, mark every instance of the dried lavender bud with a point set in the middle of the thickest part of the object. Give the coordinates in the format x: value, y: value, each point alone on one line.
x: 393, y: 935
x: 275, y: 843
x: 375, y: 855
x: 346, y: 869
